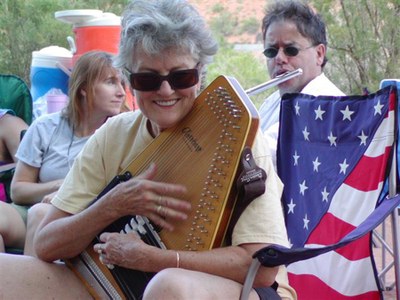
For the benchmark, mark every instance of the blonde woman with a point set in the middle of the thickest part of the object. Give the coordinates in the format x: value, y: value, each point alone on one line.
x: 49, y: 147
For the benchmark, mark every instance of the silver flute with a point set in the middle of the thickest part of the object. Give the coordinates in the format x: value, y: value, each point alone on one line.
x: 273, y: 82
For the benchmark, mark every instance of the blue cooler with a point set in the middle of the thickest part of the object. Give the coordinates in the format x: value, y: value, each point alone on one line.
x: 51, y: 67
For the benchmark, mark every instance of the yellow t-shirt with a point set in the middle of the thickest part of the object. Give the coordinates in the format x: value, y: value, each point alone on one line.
x: 114, y: 145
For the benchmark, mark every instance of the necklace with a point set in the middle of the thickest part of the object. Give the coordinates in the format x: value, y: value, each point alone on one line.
x: 69, y: 148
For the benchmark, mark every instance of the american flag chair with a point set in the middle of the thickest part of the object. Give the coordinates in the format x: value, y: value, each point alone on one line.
x: 336, y: 159
x: 390, y: 243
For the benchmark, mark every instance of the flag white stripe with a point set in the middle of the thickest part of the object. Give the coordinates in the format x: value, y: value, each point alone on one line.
x: 362, y: 204
x: 354, y: 279
x: 385, y: 131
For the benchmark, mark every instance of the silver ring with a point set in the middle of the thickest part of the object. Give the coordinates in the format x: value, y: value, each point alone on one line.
x: 159, y: 201
x: 159, y: 208
x: 101, y: 259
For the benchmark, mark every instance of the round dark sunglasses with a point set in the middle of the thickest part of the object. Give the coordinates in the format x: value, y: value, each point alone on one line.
x: 181, y: 79
x: 271, y: 52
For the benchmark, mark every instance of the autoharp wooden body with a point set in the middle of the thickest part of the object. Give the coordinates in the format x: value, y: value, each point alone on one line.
x: 202, y: 152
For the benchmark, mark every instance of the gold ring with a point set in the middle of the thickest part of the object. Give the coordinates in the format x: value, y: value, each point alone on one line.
x: 159, y: 208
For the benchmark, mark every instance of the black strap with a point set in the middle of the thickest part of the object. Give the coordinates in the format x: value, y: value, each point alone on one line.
x: 250, y: 184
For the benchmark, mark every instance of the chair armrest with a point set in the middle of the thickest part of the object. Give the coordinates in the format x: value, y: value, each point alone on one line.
x: 7, y: 167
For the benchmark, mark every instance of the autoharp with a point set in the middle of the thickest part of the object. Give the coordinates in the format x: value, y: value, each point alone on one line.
x: 202, y: 152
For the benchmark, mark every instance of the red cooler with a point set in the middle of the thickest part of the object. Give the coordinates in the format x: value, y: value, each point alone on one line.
x: 93, y: 30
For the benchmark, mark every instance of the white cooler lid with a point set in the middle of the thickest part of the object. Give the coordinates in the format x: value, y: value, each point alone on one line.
x: 76, y: 16
x: 88, y: 17
x: 51, y: 56
x: 53, y: 51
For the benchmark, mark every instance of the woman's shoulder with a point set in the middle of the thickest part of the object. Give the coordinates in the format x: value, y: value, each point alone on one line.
x: 48, y: 120
x: 119, y: 125
x: 45, y: 126
x: 124, y: 119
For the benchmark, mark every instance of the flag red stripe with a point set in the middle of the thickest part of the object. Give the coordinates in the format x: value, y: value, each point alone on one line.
x: 392, y: 100
x: 359, y: 193
x: 309, y: 287
x: 331, y: 229
x: 357, y: 250
x: 375, y: 167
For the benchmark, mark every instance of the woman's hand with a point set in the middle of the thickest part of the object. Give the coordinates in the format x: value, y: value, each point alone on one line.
x: 160, y: 202
x: 56, y: 185
x: 47, y: 198
x: 125, y: 250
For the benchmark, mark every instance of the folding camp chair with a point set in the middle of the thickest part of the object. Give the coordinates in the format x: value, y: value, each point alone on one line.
x: 15, y: 95
x: 336, y: 158
x: 389, y: 243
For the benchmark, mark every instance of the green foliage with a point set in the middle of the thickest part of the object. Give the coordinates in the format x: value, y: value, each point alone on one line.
x: 243, y: 66
x: 250, y: 25
x: 364, y: 43
x: 363, y: 49
x: 22, y: 31
x: 217, y: 8
x: 30, y: 25
x: 224, y: 24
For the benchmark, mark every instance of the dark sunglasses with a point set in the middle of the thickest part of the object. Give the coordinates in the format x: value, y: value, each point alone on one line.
x: 181, y: 79
x: 271, y: 52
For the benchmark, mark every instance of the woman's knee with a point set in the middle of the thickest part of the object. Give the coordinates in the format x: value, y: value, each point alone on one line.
x: 168, y: 283
x: 9, y: 218
x: 36, y: 213
x: 12, y: 226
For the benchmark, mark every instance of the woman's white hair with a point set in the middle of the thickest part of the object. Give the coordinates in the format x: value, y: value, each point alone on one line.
x: 152, y: 26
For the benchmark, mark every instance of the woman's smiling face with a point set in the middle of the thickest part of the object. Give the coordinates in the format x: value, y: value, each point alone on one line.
x: 166, y: 106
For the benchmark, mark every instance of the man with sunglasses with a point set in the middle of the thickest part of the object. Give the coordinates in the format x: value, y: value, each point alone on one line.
x: 294, y: 37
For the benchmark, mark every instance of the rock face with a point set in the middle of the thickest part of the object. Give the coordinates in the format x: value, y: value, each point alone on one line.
x: 240, y: 19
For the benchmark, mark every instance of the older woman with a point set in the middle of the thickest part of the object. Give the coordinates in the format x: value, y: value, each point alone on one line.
x: 164, y: 46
